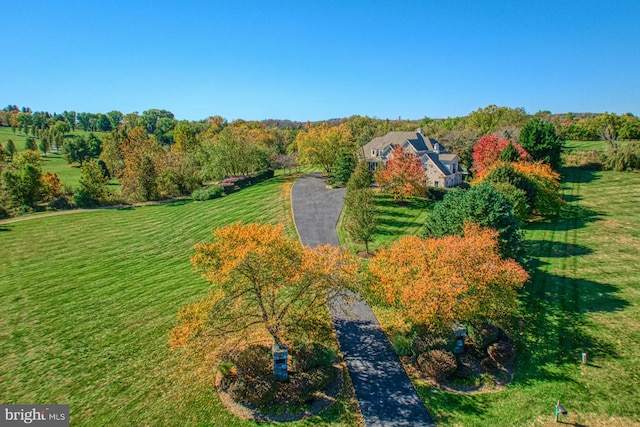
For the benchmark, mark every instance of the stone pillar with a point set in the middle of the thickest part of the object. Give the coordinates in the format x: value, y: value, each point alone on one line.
x: 280, y: 362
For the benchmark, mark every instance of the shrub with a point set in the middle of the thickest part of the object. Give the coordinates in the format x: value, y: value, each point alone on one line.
x: 302, y: 386
x: 483, y: 335
x: 401, y: 344
x: 423, y: 342
x: 61, y: 203
x: 501, y: 352
x: 436, y: 193
x: 623, y: 158
x: 489, y: 365
x: 207, y: 193
x: 3, y: 212
x: 311, y: 356
x: 466, y: 365
x: 254, y: 361
x: 437, y: 364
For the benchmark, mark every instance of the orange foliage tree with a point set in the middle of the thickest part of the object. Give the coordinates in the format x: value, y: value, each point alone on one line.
x: 439, y: 281
x: 403, y: 176
x: 487, y: 151
x: 261, y: 279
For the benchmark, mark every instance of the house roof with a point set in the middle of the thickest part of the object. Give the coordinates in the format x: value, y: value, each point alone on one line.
x: 415, y: 139
x: 434, y: 158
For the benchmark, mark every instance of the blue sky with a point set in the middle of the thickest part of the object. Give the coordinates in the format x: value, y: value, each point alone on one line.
x: 304, y: 60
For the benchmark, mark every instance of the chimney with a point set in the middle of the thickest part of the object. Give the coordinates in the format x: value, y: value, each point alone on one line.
x: 419, y: 130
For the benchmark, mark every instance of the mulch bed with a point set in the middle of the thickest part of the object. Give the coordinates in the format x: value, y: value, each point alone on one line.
x: 321, y: 401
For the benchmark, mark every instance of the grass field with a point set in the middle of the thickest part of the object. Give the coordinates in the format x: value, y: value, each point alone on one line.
x: 88, y: 300
x: 68, y: 174
x: 584, y: 297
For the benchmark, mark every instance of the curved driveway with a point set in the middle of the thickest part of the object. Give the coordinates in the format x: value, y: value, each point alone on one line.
x: 385, y: 393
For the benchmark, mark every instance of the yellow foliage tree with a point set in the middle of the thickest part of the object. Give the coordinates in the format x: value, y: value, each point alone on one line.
x: 319, y: 145
x: 261, y: 279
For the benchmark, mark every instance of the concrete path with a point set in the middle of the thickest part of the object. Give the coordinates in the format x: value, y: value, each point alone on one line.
x: 385, y: 393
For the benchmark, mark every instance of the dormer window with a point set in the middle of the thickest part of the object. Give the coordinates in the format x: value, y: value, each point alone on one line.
x: 373, y: 152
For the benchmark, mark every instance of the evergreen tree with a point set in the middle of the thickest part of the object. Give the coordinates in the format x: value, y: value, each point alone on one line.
x: 360, y: 178
x: 541, y: 141
x: 43, y: 146
x: 344, y: 167
x: 510, y: 154
x: 11, y: 148
x: 30, y: 144
x: 147, y: 187
x: 93, y: 186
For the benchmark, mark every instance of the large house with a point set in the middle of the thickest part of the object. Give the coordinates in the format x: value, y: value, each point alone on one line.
x: 441, y: 168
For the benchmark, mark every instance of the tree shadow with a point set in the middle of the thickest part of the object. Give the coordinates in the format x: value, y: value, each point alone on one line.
x: 180, y: 202
x: 571, y: 217
x: 4, y: 228
x: 553, y: 249
x: 575, y: 174
x: 554, y: 329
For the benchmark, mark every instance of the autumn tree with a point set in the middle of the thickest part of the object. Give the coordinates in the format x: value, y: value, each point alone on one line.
x: 438, y: 281
x: 261, y: 279
x: 482, y: 205
x: 489, y: 150
x: 319, y: 145
x: 361, y: 216
x: 403, y: 176
x: 51, y: 186
x: 541, y: 141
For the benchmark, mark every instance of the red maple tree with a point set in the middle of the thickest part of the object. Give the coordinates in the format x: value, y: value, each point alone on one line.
x: 487, y: 151
x: 403, y: 175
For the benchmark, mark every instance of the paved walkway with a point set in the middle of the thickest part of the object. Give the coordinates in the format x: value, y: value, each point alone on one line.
x: 385, y: 393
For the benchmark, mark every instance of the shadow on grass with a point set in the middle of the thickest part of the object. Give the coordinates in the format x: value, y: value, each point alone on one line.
x: 181, y: 202
x: 555, y: 329
x: 553, y: 249
x: 4, y: 228
x: 444, y: 406
x: 572, y: 217
x: 578, y: 174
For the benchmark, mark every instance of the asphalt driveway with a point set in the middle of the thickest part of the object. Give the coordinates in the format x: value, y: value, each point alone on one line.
x: 385, y: 393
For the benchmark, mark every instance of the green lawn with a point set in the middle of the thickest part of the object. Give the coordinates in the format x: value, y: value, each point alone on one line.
x: 572, y: 145
x: 68, y: 174
x: 88, y: 300
x: 395, y: 221
x: 584, y: 296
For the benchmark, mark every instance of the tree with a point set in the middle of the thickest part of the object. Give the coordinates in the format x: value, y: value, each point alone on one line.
x: 104, y: 123
x: 438, y: 281
x: 361, y: 177
x: 147, y: 179
x: 30, y: 144
x: 489, y: 150
x: 482, y: 205
x: 541, y: 141
x: 93, y: 186
x: 361, y: 216
x: 11, y: 149
x: 51, y: 186
x: 22, y: 181
x: 319, y: 145
x: 538, y: 181
x: 43, y: 145
x: 344, y: 167
x: 261, y: 279
x: 115, y: 117
x: 403, y: 176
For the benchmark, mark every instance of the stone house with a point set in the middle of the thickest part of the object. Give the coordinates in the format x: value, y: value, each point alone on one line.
x: 441, y: 169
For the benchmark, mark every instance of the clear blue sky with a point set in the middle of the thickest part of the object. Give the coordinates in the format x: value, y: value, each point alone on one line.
x: 304, y: 60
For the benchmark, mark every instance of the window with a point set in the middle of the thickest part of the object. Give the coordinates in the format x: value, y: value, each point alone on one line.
x: 373, y: 152
x: 436, y: 183
x: 372, y: 166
